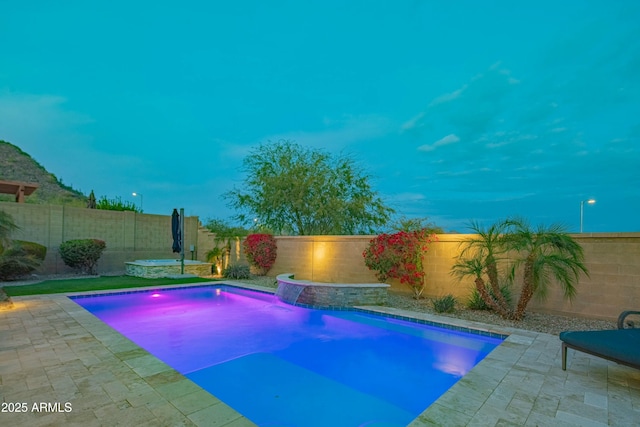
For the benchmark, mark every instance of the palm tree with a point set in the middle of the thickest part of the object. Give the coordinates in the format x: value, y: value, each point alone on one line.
x: 225, y: 236
x: 547, y: 253
x: 480, y: 255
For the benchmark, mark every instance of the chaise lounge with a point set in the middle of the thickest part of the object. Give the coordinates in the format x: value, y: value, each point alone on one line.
x: 620, y: 345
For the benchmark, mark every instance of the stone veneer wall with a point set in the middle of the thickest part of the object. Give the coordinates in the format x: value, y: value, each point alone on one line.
x: 155, y: 271
x: 330, y: 294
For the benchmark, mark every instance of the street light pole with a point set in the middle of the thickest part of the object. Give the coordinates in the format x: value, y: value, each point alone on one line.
x: 134, y: 194
x: 590, y: 201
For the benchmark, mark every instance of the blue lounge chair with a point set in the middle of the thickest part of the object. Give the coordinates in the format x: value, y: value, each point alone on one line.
x: 620, y: 345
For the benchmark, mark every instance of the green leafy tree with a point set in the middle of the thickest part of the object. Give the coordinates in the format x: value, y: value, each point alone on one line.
x: 303, y: 191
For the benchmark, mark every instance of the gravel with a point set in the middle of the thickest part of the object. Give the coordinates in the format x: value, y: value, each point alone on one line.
x: 539, y: 322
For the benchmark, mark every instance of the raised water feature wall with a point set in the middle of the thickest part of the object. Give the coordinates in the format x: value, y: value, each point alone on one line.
x: 154, y: 268
x: 316, y: 294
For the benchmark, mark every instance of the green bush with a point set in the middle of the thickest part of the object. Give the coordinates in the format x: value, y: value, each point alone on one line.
x: 82, y: 254
x: 476, y: 302
x: 237, y: 271
x: 20, y: 259
x: 445, y: 304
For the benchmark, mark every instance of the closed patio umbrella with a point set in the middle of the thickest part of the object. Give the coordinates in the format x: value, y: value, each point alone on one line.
x: 175, y: 231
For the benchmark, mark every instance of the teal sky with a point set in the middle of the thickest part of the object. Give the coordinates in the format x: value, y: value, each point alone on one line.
x: 459, y: 110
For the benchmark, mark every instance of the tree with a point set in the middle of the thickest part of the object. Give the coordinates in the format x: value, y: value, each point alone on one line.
x: 225, y: 236
x: 545, y: 253
x: 91, y: 201
x: 303, y: 191
x: 479, y: 257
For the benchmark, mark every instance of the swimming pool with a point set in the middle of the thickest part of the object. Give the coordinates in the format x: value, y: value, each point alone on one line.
x: 284, y: 365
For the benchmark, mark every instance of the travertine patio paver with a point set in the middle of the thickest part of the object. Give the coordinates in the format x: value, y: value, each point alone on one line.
x: 54, y: 352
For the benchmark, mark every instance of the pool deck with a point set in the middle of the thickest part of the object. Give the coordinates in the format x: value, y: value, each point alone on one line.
x: 53, y: 352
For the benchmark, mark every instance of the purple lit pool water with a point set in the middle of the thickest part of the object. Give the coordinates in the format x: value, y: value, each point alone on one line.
x: 283, y: 365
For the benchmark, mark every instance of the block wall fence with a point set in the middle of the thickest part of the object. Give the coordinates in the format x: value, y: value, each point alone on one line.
x: 613, y: 259
x: 128, y: 235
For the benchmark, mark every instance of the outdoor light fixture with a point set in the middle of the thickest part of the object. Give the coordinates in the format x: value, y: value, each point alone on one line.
x: 590, y: 201
x: 134, y: 194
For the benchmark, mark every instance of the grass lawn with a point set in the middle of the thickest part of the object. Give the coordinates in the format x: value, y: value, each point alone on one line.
x: 94, y: 284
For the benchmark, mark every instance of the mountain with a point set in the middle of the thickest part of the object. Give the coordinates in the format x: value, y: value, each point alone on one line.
x: 16, y: 165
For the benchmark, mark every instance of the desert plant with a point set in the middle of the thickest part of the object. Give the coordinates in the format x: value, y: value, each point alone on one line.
x: 237, y: 271
x: 15, y: 264
x: 225, y: 236
x: 479, y: 256
x: 545, y: 253
x: 399, y: 256
x: 215, y: 256
x: 445, y: 304
x: 475, y: 301
x: 7, y: 226
x: 82, y: 254
x: 261, y: 251
x: 33, y: 249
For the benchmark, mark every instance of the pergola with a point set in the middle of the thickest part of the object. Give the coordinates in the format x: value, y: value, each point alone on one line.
x: 19, y: 189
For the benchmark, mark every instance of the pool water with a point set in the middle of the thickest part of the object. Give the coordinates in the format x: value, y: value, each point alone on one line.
x: 284, y: 365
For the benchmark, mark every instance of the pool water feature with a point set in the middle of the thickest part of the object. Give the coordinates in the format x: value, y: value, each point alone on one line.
x: 284, y: 365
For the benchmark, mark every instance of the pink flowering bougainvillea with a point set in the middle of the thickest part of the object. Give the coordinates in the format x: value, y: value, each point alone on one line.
x: 260, y: 250
x: 399, y: 256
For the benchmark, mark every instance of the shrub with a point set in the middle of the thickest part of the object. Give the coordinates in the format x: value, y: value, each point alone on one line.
x: 116, y: 205
x: 20, y: 259
x: 237, y: 271
x: 445, y: 304
x: 476, y: 302
x: 399, y: 256
x: 82, y: 254
x: 33, y: 249
x: 261, y: 251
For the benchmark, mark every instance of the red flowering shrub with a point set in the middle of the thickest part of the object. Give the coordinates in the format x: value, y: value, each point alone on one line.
x: 260, y: 250
x: 399, y: 256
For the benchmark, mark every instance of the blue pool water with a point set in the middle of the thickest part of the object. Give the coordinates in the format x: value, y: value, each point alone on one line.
x: 282, y: 365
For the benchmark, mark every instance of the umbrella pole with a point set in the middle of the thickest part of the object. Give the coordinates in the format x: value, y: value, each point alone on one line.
x: 182, y: 240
